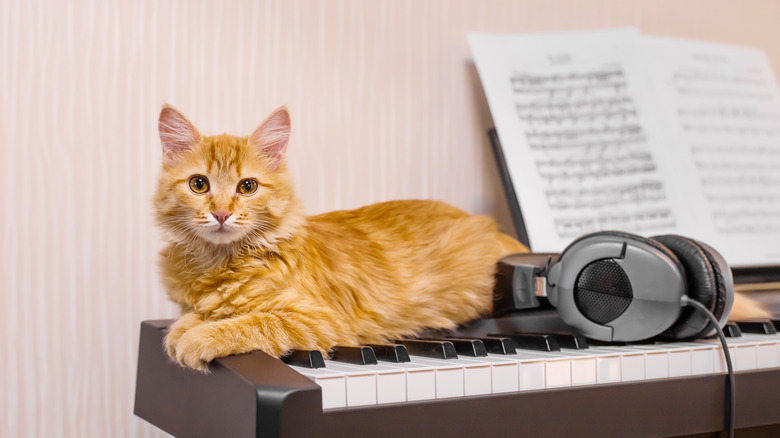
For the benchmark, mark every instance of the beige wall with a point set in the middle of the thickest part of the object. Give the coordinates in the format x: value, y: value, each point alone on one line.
x: 384, y: 105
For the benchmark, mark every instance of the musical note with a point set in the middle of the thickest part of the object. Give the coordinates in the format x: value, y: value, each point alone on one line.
x: 523, y: 82
x: 606, y: 195
x: 639, y: 221
x: 592, y: 104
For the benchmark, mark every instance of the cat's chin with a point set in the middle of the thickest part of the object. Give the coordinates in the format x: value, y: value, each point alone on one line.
x: 221, y: 236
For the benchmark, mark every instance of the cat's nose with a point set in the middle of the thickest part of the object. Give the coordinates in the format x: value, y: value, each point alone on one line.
x: 220, y: 216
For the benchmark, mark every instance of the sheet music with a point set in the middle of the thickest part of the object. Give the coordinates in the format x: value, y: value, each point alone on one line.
x: 610, y: 129
x: 574, y: 114
x: 721, y: 110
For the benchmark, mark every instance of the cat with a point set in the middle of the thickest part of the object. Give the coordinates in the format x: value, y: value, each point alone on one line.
x: 252, y: 272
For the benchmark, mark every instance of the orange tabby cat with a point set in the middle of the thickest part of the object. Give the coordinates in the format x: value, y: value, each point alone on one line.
x: 251, y: 272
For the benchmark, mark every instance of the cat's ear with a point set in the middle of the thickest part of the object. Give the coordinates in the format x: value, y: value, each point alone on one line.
x: 272, y: 136
x: 177, y: 134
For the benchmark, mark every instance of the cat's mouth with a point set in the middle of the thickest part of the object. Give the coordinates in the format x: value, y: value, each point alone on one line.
x: 221, y: 234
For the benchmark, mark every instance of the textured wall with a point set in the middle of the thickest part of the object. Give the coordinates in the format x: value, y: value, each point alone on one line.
x: 385, y: 105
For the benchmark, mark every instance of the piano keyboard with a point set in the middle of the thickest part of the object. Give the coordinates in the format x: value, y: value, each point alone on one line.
x: 425, y: 378
x: 552, y: 386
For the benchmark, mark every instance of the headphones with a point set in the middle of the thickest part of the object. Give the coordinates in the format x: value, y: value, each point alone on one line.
x: 616, y: 286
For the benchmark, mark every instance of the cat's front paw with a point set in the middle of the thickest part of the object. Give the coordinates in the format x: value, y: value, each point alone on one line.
x: 177, y: 330
x: 199, y: 345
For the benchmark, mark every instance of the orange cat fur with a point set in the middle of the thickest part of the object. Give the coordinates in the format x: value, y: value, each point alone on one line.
x: 251, y: 272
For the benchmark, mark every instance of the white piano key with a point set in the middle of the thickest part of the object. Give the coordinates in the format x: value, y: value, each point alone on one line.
x: 420, y: 380
x: 656, y: 364
x: 557, y: 373
x: 449, y: 376
x: 632, y: 367
x: 583, y: 370
x: 766, y: 355
x: 766, y: 349
x: 583, y: 366
x: 532, y: 374
x: 476, y: 376
x: 390, y: 381
x: 361, y: 383
x: 679, y: 363
x: 531, y: 370
x: 777, y: 338
x: 702, y: 358
x: 557, y: 368
x: 630, y: 360
x: 608, y: 368
x: 746, y: 357
x: 677, y: 355
x: 390, y: 385
x: 741, y: 350
x: 506, y: 377
x: 504, y: 373
x: 648, y: 361
x: 720, y: 359
x: 333, y: 384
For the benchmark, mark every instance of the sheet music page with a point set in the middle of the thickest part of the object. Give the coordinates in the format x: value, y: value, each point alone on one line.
x: 579, y: 132
x: 721, y: 110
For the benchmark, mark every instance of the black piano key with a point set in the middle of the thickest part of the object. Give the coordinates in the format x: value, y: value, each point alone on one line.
x: 776, y: 323
x: 574, y: 341
x: 496, y: 345
x: 760, y: 327
x: 432, y: 349
x: 467, y: 347
x: 359, y: 355
x: 596, y: 343
x: 499, y: 345
x: 305, y: 358
x: 731, y: 330
x: 390, y: 352
x: 533, y: 341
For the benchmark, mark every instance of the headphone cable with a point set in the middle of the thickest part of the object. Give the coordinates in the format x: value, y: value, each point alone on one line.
x: 731, y: 402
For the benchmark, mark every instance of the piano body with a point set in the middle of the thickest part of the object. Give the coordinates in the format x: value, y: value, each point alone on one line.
x: 604, y: 391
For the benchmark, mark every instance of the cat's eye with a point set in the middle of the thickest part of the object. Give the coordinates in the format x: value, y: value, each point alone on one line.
x: 199, y: 184
x: 247, y: 186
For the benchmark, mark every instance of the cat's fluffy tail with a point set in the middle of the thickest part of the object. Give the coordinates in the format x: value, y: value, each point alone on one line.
x: 746, y: 308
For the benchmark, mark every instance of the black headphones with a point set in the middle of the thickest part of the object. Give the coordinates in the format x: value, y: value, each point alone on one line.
x: 615, y: 286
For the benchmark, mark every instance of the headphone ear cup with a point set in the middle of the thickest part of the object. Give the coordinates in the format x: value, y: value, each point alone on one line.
x: 708, y: 284
x: 612, y: 277
x: 615, y: 286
